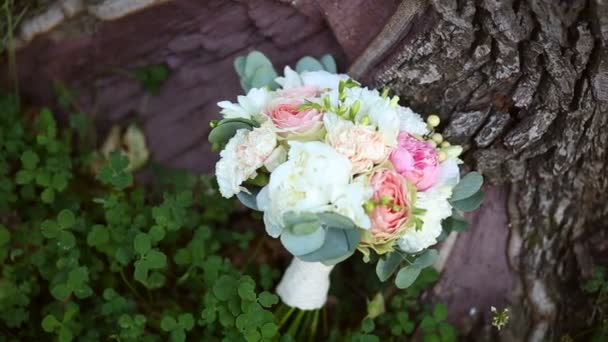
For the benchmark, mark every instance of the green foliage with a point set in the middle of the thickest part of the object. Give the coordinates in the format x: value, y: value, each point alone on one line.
x: 152, y: 77
x: 96, y: 256
x: 255, y: 71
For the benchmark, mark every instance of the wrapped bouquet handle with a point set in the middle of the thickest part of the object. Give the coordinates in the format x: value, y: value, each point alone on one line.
x: 305, y: 284
x: 336, y: 168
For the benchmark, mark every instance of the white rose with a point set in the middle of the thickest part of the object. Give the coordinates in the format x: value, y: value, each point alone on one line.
x: 312, y: 179
x: 437, y: 208
x: 248, y: 107
x: 244, y: 154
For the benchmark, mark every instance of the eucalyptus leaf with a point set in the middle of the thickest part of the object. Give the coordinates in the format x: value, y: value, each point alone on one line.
x: 333, y: 220
x: 338, y: 243
x: 468, y: 186
x: 469, y: 204
x: 454, y: 224
x: 303, y: 244
x: 406, y: 276
x: 263, y: 77
x: 223, y: 132
x: 253, y: 61
x: 249, y: 200
x: 239, y: 66
x: 426, y: 259
x: 329, y: 63
x: 304, y: 228
x: 388, y: 265
x: 332, y: 262
x: 309, y: 64
x: 291, y: 218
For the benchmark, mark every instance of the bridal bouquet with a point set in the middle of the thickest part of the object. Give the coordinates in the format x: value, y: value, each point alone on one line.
x: 337, y: 168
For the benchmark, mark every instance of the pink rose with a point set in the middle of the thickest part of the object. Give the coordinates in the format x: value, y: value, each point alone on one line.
x: 416, y: 160
x: 392, y: 208
x: 285, y: 115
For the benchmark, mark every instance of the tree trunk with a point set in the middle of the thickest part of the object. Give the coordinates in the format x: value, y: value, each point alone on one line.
x: 523, y: 85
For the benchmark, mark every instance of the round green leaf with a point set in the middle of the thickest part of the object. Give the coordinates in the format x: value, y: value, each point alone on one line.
x: 470, y: 203
x: 61, y: 292
x: 467, y: 187
x: 339, y: 244
x: 246, y: 291
x: 303, y: 244
x: 329, y: 64
x: 388, y: 265
x: 186, y: 321
x: 142, y: 243
x: 48, y: 196
x: 29, y: 159
x: 406, y: 276
x: 223, y: 132
x: 168, y: 323
x: 269, y: 330
x: 49, y: 323
x: 98, y: 236
x: 66, y: 219
x: 24, y: 177
x: 426, y: 259
x: 267, y: 299
x: 308, y: 63
x: 66, y: 240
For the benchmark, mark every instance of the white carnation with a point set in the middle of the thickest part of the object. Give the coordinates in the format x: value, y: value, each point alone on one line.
x: 249, y: 106
x: 411, y: 122
x: 243, y: 155
x: 314, y: 178
x: 362, y: 144
x: 437, y: 208
x: 320, y: 79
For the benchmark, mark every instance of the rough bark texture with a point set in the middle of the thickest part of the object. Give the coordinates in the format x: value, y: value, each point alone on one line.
x: 522, y: 84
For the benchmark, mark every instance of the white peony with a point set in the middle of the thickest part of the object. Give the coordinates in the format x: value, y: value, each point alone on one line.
x: 411, y: 122
x: 362, y: 144
x: 314, y: 178
x: 244, y: 154
x: 319, y: 79
x: 249, y: 106
x: 437, y: 208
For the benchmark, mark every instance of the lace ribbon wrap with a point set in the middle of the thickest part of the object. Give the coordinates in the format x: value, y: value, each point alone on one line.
x: 305, y: 284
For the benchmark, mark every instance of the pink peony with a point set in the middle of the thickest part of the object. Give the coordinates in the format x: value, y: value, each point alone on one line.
x: 388, y: 219
x: 416, y: 160
x: 285, y: 115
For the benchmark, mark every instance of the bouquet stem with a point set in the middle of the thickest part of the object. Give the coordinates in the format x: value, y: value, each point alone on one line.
x: 305, y: 285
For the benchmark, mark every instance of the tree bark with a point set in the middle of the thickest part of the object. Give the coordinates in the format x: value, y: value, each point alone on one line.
x: 523, y: 85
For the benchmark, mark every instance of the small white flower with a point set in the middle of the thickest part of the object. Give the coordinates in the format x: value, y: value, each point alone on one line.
x: 319, y: 79
x: 246, y: 152
x: 411, y: 122
x: 249, y: 106
x: 437, y: 208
